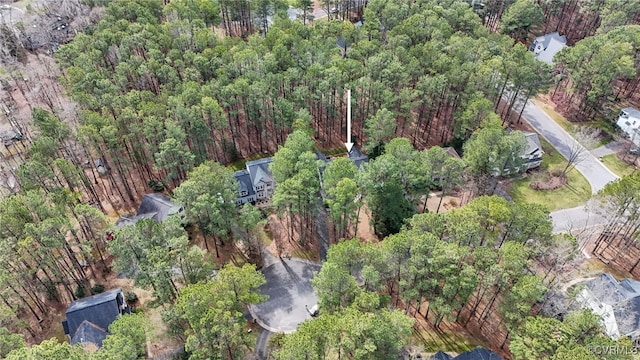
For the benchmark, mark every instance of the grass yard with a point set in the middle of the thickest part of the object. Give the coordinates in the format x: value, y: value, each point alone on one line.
x: 618, y: 167
x: 576, y: 192
x: 432, y: 341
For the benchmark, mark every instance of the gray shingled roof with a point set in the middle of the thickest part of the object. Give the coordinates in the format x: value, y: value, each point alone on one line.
x: 478, y: 354
x: 441, y: 355
x: 632, y: 112
x: 157, y: 203
x: 607, y: 290
x: 259, y: 170
x: 547, y: 46
x: 156, y: 206
x: 623, y: 296
x: 357, y: 157
x: 244, y: 182
x: 98, y: 310
x: 93, y: 300
x: 89, y: 332
x: 533, y: 142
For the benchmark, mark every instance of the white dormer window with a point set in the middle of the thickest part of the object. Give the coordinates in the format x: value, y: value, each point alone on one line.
x: 259, y: 187
x: 243, y: 193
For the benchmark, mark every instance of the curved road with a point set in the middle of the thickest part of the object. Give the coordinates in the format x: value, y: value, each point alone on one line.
x: 593, y: 170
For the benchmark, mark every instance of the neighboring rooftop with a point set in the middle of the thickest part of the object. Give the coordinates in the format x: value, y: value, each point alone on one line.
x: 357, y: 157
x: 547, y: 46
x: 89, y: 332
x: 533, y: 142
x: 244, y: 182
x: 93, y: 300
x: 478, y: 353
x: 631, y: 112
x: 617, y: 303
x: 156, y: 206
x: 259, y: 170
x: 88, y: 319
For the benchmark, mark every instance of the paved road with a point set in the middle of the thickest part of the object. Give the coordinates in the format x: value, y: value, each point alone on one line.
x: 593, y: 170
x: 577, y: 218
x: 289, y: 290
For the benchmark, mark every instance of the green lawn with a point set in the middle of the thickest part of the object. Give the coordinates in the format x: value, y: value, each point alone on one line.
x: 576, y: 192
x: 618, y: 167
x: 432, y: 341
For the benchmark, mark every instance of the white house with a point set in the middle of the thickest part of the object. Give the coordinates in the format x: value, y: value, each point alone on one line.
x: 547, y: 46
x: 616, y: 302
x: 533, y: 152
x: 629, y: 122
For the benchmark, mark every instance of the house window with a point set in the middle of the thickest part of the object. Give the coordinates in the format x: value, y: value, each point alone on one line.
x: 243, y: 193
x: 627, y: 123
x: 259, y: 187
x: 260, y: 194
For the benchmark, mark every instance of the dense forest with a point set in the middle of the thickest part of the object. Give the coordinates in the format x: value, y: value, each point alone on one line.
x: 174, y: 94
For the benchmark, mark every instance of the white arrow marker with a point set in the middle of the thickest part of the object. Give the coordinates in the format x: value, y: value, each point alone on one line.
x: 348, y: 144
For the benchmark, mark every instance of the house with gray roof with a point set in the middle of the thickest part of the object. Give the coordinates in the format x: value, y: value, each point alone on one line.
x: 261, y: 178
x: 156, y: 206
x: 478, y: 353
x: 255, y: 183
x: 357, y: 157
x: 547, y: 46
x: 616, y: 302
x: 246, y: 192
x: 629, y: 122
x: 533, y: 152
x: 88, y: 319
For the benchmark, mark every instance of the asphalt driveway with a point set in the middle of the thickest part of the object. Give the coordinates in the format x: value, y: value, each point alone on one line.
x: 289, y: 290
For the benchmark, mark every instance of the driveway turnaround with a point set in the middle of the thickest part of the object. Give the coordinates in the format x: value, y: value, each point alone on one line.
x: 577, y: 218
x: 289, y: 290
x: 596, y: 173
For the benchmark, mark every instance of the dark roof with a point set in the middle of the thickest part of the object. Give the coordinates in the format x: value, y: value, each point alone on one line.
x: 244, y: 182
x: 478, y: 354
x: 259, y: 170
x: 156, y: 206
x: 321, y: 156
x: 93, y: 300
x: 85, y: 317
x: 89, y: 332
x: 440, y: 355
x: 357, y: 157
